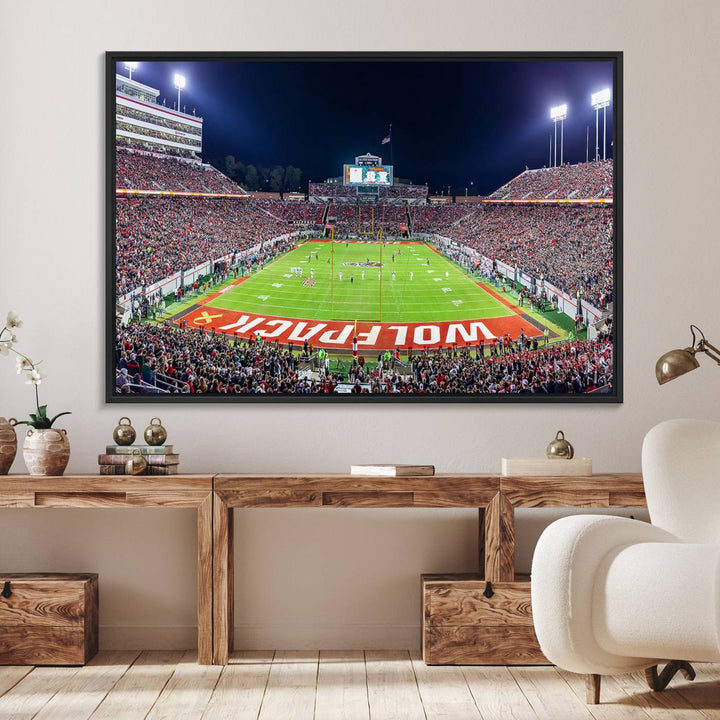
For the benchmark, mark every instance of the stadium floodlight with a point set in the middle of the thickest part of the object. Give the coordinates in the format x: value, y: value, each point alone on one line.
x: 179, y: 81
x: 600, y: 101
x: 559, y: 113
x: 130, y: 66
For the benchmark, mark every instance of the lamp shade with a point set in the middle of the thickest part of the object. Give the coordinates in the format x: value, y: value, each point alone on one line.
x: 675, y: 363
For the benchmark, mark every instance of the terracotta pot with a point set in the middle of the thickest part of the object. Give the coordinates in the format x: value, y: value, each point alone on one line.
x: 46, y: 452
x: 8, y: 444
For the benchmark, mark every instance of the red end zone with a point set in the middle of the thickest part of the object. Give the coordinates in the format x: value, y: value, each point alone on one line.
x: 372, y: 336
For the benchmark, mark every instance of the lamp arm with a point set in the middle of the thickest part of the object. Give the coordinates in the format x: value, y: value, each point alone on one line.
x: 710, y: 350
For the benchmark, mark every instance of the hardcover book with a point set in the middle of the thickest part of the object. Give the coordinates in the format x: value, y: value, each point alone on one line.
x: 392, y: 470
x: 109, y: 459
x: 144, y: 449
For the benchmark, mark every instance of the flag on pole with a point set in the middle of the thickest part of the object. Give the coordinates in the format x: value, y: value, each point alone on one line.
x: 388, y: 137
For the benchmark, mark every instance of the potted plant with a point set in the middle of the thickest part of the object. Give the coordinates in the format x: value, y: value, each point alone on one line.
x: 46, y: 449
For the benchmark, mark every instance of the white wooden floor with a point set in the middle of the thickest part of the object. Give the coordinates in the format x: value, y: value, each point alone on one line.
x: 370, y: 685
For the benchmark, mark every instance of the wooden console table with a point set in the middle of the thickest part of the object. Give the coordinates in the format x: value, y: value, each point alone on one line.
x: 495, y: 497
x: 125, y: 491
x: 215, y: 498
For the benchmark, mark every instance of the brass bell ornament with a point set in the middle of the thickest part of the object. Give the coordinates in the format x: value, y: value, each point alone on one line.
x: 560, y: 448
x: 124, y: 433
x: 155, y: 433
x: 136, y: 463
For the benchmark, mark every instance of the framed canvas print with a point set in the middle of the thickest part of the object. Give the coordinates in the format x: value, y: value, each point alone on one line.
x: 379, y: 227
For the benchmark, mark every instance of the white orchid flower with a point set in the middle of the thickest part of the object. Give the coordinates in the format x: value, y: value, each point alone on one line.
x: 23, y: 364
x: 5, y: 346
x: 13, y: 320
x: 35, y: 377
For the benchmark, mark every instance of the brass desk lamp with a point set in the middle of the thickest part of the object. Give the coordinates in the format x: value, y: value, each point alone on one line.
x: 677, y: 362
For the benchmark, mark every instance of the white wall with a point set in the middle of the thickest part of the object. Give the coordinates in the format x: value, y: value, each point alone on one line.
x: 331, y: 578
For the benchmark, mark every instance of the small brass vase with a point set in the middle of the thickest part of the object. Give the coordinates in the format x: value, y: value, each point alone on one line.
x: 560, y: 448
x: 155, y: 433
x: 136, y: 463
x: 124, y: 433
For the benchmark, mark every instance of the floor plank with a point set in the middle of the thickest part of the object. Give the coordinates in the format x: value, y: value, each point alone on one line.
x: 34, y: 691
x: 138, y: 689
x: 666, y: 705
x: 444, y: 692
x: 188, y: 691
x: 347, y: 685
x: 88, y: 687
x: 11, y: 675
x: 290, y: 691
x: 615, y: 703
x: 497, y: 694
x: 549, y: 694
x: 703, y: 693
x: 342, y: 686
x: 240, y: 691
x: 392, y: 688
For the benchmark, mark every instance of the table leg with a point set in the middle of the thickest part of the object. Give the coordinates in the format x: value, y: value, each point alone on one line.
x: 500, y: 540
x: 481, y: 541
x: 205, y: 579
x: 223, y: 581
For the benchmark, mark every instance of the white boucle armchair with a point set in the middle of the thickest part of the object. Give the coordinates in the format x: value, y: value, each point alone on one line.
x: 613, y: 595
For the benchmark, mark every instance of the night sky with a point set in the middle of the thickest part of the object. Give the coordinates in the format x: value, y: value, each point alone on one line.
x: 453, y: 123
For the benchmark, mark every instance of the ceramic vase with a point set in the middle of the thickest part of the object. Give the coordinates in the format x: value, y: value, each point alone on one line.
x: 47, y: 451
x: 8, y: 444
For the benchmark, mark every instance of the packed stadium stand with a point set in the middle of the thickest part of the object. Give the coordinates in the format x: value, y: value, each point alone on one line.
x: 158, y: 235
x: 137, y: 170
x: 173, y: 359
x: 581, y: 181
x: 570, y: 246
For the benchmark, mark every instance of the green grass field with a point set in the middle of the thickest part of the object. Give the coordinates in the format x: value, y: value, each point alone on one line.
x: 437, y: 291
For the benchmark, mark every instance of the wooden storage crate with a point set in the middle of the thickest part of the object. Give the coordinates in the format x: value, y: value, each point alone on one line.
x: 461, y: 626
x: 48, y: 618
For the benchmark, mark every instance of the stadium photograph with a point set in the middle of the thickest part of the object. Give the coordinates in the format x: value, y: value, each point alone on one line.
x: 390, y: 227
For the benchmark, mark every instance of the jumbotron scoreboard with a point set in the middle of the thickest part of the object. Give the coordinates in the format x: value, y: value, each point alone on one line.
x: 367, y: 175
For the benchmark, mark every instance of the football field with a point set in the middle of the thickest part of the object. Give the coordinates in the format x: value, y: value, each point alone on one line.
x: 364, y: 282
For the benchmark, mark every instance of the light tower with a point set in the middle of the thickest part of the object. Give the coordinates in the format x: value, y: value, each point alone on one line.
x: 600, y: 101
x: 179, y: 81
x: 130, y: 67
x: 559, y: 112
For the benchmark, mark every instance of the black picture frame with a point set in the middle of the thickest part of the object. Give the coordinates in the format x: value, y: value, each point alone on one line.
x: 614, y: 396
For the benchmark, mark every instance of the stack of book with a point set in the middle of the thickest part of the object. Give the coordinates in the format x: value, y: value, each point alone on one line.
x: 160, y: 459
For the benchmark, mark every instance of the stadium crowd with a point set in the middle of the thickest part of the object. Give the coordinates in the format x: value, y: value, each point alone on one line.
x: 571, y: 247
x: 159, y: 134
x: 133, y: 144
x: 584, y: 180
x: 143, y: 171
x: 191, y: 361
x: 125, y: 112
x: 157, y: 236
x: 298, y: 212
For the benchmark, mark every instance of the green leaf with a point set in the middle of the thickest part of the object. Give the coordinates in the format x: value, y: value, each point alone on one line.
x: 42, y: 411
x: 67, y: 412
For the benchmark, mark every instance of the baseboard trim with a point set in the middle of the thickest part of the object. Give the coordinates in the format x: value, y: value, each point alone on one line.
x: 254, y: 636
x: 327, y: 637
x: 148, y: 637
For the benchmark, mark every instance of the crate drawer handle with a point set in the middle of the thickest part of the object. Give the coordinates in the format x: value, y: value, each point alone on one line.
x: 6, y: 592
x: 488, y: 592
